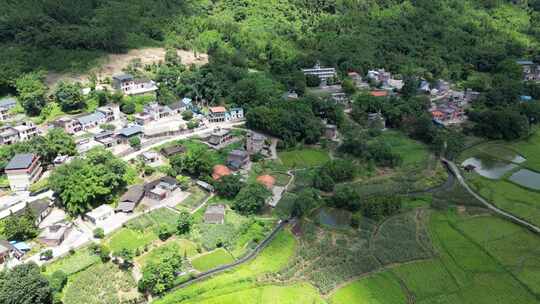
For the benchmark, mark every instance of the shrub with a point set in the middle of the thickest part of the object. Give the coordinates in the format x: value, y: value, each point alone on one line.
x: 164, y: 232
x: 99, y: 233
x: 58, y: 280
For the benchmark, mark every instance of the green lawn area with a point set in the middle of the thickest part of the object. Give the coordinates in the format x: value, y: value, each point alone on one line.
x: 73, y: 263
x: 101, y: 284
x: 273, y: 168
x: 130, y: 239
x: 411, y: 151
x: 380, y: 288
x: 304, y: 158
x: 212, y: 259
x: 272, y: 259
x: 181, y: 246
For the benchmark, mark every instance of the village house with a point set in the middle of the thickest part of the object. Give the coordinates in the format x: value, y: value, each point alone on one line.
x: 6, y: 104
x: 448, y: 113
x: 217, y: 114
x: 357, y: 80
x: 110, y: 113
x: 160, y: 188
x: 8, y: 135
x: 90, y: 121
x: 40, y: 209
x: 220, y: 136
x: 173, y: 150
x: 180, y: 106
x: 531, y: 70
x: 220, y: 171
x: 379, y: 93
x: 69, y: 125
x: 23, y: 170
x: 99, y: 214
x: 106, y: 138
x: 330, y: 131
x: 215, y: 214
x: 326, y: 75
x: 255, y: 142
x: 129, y: 200
x: 8, y: 252
x: 125, y: 134
x: 54, y: 235
x: 234, y: 114
x: 153, y: 112
x: 26, y: 130
x: 237, y: 159
x: 149, y: 157
x: 129, y: 85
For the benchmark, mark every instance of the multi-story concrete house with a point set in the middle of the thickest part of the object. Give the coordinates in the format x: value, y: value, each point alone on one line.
x: 26, y: 130
x: 5, y: 105
x: 23, y: 170
x: 70, y: 125
x: 217, y: 114
x: 130, y: 85
x: 531, y: 70
x: 8, y: 135
x: 324, y: 74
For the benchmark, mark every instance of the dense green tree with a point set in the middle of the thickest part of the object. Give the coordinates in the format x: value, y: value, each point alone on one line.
x: 228, y: 186
x: 345, y: 197
x: 251, y: 199
x: 158, y: 277
x: 85, y: 183
x: 32, y: 89
x: 184, y: 223
x: 306, y: 200
x: 195, y: 162
x: 24, y: 284
x: 20, y: 227
x: 69, y: 96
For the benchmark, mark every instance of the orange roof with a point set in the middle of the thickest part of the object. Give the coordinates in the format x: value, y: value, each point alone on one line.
x: 379, y: 93
x: 266, y: 180
x: 352, y: 74
x: 220, y: 171
x: 218, y: 109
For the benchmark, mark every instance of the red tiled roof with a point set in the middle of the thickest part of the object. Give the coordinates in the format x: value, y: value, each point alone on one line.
x: 379, y: 93
x: 220, y: 171
x: 218, y: 110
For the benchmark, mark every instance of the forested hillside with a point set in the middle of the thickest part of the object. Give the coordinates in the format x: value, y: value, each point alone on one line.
x: 454, y: 39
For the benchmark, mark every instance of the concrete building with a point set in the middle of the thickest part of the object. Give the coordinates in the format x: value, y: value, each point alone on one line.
x: 91, y: 120
x: 6, y: 104
x: 125, y: 134
x: 8, y: 252
x: 129, y: 201
x: 129, y: 85
x: 220, y: 136
x: 325, y: 74
x: 152, y: 112
x: 215, y: 214
x: 23, y: 170
x: 237, y: 159
x: 70, y: 126
x: 110, y: 113
x: 26, y: 130
x: 99, y: 214
x: 54, y: 235
x: 217, y: 114
x: 106, y: 138
x: 531, y: 71
x: 8, y: 136
x: 330, y: 131
x: 255, y: 142
x: 173, y: 150
x: 161, y: 188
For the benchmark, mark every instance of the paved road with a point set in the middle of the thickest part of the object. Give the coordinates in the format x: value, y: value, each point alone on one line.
x: 455, y: 170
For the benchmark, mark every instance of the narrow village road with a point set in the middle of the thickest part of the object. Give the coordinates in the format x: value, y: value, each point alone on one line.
x: 455, y: 171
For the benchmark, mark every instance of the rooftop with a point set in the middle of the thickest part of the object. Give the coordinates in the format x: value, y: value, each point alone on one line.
x: 100, y: 211
x: 91, y: 118
x: 123, y: 77
x: 7, y: 102
x: 20, y: 161
x: 130, y: 131
x: 134, y: 194
x: 218, y: 110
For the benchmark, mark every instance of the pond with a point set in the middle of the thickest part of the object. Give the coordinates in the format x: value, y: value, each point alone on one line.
x: 489, y: 168
x: 334, y: 218
x: 526, y: 178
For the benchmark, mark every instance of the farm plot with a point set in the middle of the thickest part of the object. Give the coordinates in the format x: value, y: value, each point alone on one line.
x: 328, y: 257
x: 141, y: 231
x: 212, y: 259
x: 474, y: 264
x: 272, y: 259
x: 73, y: 263
x: 304, y: 158
x: 379, y: 288
x: 196, y: 197
x: 185, y: 248
x: 101, y: 284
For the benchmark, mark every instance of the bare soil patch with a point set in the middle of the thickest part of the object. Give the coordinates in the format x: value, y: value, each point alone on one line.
x: 114, y: 63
